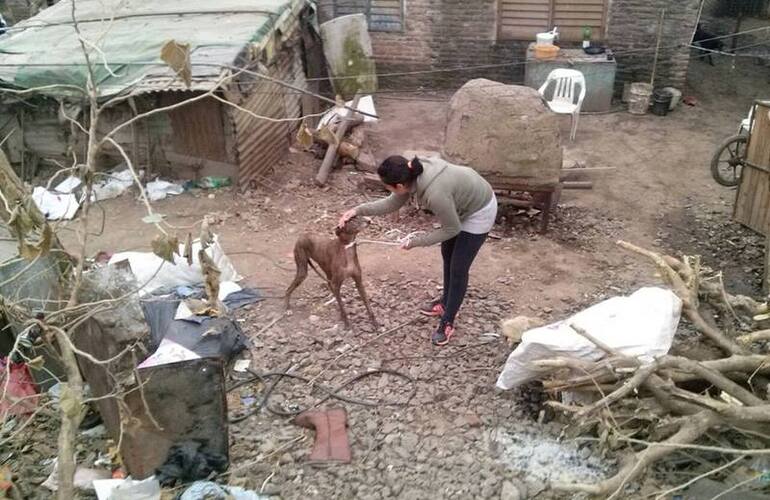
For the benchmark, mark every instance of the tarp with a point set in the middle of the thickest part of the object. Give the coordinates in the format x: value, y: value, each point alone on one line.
x: 45, y: 50
x: 214, y: 338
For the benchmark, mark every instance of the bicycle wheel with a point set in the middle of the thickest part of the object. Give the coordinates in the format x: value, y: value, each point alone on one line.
x: 727, y: 162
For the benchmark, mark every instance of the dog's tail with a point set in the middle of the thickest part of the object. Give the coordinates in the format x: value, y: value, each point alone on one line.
x: 312, y: 266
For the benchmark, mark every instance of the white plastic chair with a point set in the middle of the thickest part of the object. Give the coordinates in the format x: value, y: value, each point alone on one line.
x: 563, y: 100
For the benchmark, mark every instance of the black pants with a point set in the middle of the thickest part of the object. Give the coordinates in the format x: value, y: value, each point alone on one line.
x: 458, y: 254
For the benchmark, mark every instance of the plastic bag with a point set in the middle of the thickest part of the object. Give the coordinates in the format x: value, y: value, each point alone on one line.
x: 153, y: 273
x: 641, y: 325
x: 21, y: 396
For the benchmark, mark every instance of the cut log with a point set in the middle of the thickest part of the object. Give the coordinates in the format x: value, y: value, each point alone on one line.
x: 357, y: 136
x: 366, y: 162
x: 577, y: 185
x: 331, y: 153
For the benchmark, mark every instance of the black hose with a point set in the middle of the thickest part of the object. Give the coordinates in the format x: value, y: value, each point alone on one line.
x: 331, y: 393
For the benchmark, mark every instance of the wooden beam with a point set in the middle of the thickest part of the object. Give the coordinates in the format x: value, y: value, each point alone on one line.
x: 331, y: 152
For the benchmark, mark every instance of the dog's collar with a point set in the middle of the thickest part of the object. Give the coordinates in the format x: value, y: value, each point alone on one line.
x: 350, y: 245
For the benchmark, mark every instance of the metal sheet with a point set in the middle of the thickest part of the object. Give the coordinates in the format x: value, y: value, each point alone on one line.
x: 262, y: 143
x: 198, y: 127
x: 187, y: 400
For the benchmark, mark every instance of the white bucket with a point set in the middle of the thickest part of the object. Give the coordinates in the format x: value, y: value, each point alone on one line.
x: 639, y: 98
x: 545, y: 38
x: 676, y: 96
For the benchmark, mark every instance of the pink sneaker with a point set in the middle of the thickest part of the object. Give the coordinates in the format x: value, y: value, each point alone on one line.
x: 443, y: 334
x: 433, y: 309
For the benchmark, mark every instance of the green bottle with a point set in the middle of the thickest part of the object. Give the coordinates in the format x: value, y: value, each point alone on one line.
x: 586, y: 37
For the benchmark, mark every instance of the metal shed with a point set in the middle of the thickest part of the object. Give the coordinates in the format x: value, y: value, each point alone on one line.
x: 225, y: 37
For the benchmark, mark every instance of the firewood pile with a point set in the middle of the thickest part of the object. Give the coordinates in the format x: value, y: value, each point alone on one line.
x: 342, y: 137
x: 650, y: 411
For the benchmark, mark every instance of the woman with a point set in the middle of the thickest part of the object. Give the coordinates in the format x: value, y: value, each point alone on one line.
x: 466, y: 206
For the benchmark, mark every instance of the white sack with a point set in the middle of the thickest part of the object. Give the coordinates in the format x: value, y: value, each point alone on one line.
x: 68, y: 185
x: 641, y: 325
x: 365, y: 104
x: 115, y: 185
x: 153, y: 273
x: 158, y: 190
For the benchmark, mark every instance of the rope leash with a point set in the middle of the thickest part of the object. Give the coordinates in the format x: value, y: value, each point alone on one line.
x: 398, y: 242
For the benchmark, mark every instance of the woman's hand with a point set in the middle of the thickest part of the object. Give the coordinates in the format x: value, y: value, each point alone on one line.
x: 406, y: 244
x: 347, y: 216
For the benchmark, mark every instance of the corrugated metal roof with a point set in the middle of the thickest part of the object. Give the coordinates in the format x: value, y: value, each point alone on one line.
x: 129, y: 34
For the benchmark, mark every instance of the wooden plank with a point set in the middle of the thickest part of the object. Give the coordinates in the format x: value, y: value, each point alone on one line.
x: 578, y: 23
x: 766, y: 276
x: 578, y: 3
x: 526, y: 14
x: 752, y: 205
x: 512, y: 3
x: 523, y: 9
x: 513, y: 20
x: 580, y: 9
x: 758, y: 153
x: 523, y: 19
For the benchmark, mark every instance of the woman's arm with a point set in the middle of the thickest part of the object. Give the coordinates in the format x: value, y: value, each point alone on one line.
x: 445, y: 210
x: 384, y: 206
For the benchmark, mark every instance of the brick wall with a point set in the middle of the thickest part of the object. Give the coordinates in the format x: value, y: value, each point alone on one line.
x: 633, y: 26
x: 443, y: 34
x: 452, y: 33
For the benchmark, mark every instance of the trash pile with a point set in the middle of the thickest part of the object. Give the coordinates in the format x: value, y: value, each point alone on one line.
x: 63, y: 201
x: 165, y: 347
x: 625, y: 377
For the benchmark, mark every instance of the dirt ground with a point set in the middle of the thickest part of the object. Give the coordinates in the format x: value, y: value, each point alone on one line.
x: 458, y: 437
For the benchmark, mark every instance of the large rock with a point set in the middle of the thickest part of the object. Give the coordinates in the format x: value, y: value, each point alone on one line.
x: 505, y: 132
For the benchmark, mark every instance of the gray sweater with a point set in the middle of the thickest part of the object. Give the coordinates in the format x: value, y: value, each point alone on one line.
x: 450, y: 191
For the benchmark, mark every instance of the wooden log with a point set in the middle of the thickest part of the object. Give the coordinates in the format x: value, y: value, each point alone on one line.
x: 357, y: 136
x: 577, y: 185
x: 586, y: 170
x: 366, y: 162
x: 331, y: 152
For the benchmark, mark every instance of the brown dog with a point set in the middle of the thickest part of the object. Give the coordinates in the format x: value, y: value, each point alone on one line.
x: 337, y: 258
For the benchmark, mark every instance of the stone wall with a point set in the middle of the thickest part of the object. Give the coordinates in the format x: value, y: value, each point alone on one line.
x: 453, y: 33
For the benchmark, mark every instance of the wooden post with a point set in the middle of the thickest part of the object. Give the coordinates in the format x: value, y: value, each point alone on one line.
x: 331, y: 152
x: 738, y: 24
x: 657, y: 47
x: 766, y: 275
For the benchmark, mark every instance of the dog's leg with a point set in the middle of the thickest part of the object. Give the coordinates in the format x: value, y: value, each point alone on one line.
x: 335, y: 287
x: 362, y: 292
x: 301, y: 258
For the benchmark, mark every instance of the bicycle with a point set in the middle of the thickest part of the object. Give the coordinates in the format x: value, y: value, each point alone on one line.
x: 730, y: 156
